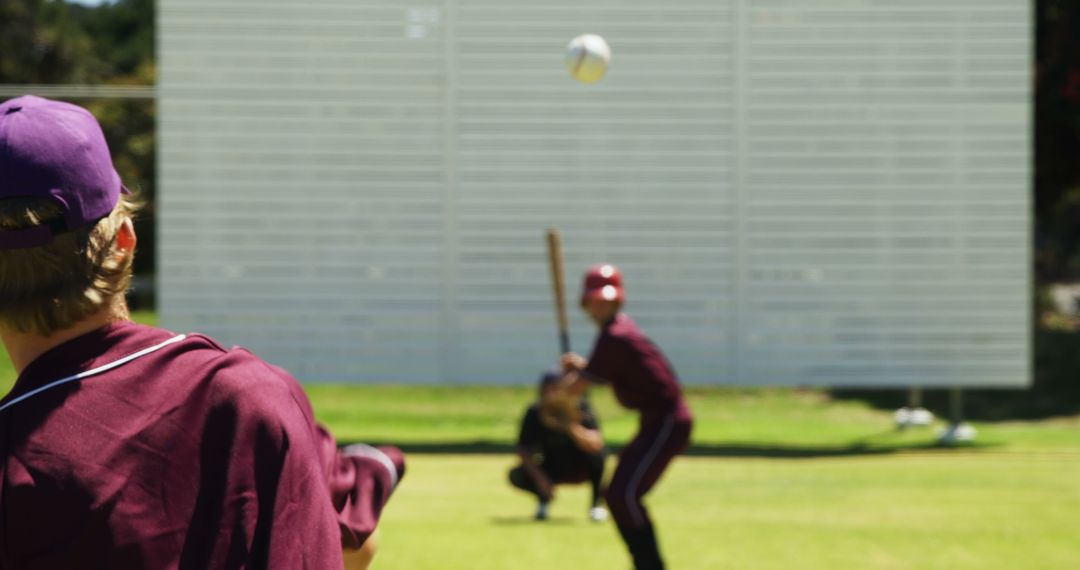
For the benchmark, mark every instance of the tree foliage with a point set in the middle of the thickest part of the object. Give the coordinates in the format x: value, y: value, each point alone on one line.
x: 1057, y: 140
x: 125, y: 37
x: 41, y: 42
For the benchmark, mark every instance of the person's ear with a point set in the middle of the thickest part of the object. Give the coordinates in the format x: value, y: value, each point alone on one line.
x: 126, y: 239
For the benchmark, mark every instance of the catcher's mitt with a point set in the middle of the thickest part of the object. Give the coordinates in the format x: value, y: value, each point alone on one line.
x: 560, y: 410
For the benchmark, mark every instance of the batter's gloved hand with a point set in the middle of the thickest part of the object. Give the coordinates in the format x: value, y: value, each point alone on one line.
x: 573, y: 362
x: 560, y: 410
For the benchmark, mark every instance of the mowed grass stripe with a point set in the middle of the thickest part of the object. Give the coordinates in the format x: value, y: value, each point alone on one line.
x: 861, y: 512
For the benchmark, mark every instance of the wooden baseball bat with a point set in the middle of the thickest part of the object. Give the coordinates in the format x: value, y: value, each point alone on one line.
x: 555, y: 260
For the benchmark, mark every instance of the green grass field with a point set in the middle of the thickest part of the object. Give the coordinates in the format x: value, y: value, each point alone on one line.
x: 776, y: 478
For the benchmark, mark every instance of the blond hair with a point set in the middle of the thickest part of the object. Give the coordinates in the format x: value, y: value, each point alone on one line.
x: 50, y: 288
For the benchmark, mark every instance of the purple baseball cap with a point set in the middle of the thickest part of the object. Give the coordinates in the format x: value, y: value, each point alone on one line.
x: 51, y: 149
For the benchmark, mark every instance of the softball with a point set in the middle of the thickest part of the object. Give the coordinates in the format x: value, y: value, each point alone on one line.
x: 587, y: 58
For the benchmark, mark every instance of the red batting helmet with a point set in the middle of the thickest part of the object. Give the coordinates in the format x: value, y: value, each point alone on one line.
x: 603, y: 282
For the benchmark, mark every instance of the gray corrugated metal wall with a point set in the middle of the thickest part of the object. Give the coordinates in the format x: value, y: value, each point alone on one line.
x: 799, y: 191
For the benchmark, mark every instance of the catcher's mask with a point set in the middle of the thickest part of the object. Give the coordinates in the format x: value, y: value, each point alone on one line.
x: 548, y: 378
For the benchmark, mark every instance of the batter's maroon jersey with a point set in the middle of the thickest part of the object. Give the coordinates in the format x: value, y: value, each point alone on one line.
x: 640, y: 375
x: 133, y: 447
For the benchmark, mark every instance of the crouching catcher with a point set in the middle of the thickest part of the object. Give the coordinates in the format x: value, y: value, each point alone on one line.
x: 560, y: 443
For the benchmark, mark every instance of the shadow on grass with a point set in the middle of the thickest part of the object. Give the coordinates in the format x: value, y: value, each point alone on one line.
x: 813, y: 452
x: 528, y: 521
x: 866, y: 446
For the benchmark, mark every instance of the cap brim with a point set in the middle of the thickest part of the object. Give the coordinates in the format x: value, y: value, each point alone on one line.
x: 599, y: 294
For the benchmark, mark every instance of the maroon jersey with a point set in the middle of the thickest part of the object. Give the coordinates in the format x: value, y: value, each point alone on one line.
x: 640, y: 376
x: 132, y: 447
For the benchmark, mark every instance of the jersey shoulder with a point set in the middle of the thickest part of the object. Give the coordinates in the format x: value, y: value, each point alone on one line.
x: 237, y: 378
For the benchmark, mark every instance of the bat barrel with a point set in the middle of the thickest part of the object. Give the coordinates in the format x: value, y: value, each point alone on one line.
x: 555, y: 260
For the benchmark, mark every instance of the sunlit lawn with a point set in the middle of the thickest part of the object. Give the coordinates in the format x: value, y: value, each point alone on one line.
x: 776, y: 479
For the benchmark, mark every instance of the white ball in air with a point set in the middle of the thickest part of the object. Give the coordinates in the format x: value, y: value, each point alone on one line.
x: 587, y: 58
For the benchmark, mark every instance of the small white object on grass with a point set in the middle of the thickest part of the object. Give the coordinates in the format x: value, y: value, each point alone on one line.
x: 957, y: 433
x: 913, y: 417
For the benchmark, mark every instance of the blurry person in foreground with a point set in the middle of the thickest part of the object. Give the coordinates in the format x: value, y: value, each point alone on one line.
x: 127, y: 446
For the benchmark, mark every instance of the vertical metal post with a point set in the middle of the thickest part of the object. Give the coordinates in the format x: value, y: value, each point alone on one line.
x: 915, y: 397
x: 739, y: 302
x: 956, y: 406
x: 958, y: 431
x: 451, y: 312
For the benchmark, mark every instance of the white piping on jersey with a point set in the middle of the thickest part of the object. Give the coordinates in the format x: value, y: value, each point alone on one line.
x: 365, y: 450
x: 635, y: 480
x: 95, y: 371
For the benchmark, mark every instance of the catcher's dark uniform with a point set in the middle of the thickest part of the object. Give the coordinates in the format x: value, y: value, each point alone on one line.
x: 557, y: 455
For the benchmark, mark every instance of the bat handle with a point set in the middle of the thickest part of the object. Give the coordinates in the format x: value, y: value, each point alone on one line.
x: 564, y: 341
